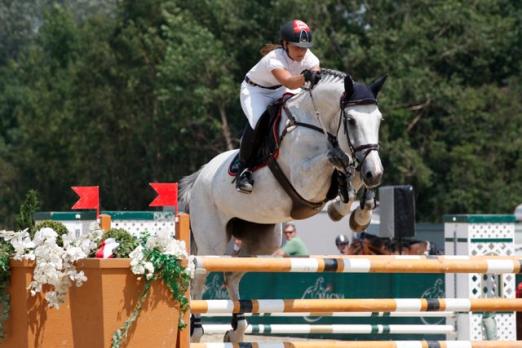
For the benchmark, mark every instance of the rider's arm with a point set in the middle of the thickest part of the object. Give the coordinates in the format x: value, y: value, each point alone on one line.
x: 288, y: 80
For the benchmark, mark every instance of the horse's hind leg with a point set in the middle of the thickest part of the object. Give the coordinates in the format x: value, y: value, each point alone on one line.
x: 239, y: 322
x: 209, y: 237
x: 196, y: 291
x: 256, y: 239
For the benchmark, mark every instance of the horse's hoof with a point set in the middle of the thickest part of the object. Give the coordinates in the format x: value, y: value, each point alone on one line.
x: 355, y: 226
x: 333, y: 213
x: 196, y: 335
x: 233, y: 336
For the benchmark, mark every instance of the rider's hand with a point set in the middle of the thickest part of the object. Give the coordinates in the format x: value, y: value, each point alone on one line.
x: 311, y: 76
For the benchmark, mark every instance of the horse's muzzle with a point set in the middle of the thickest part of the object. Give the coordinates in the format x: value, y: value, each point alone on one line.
x: 372, y: 170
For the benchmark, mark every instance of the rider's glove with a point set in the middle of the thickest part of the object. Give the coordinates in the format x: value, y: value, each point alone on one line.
x: 311, y: 76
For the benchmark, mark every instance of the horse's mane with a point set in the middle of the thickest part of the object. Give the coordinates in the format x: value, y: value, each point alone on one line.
x: 331, y: 75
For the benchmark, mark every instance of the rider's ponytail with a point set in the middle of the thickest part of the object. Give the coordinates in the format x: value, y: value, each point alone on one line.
x: 269, y: 47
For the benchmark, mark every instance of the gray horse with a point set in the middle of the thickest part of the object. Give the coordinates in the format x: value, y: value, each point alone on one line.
x: 332, y: 128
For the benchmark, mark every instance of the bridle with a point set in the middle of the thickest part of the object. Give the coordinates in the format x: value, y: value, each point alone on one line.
x: 359, y: 153
x: 345, y: 118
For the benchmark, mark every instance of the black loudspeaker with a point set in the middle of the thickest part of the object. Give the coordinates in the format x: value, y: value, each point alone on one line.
x: 397, y: 211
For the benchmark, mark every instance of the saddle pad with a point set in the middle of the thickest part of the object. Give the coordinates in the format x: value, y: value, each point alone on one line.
x: 270, y: 144
x: 233, y: 169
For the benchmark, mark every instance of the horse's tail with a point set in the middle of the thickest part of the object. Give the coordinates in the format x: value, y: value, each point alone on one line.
x: 185, y: 190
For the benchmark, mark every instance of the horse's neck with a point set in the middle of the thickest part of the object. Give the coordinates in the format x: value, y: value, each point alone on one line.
x: 325, y: 102
x: 303, y: 151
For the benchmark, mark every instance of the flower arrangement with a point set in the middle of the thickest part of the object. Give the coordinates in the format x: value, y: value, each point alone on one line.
x: 153, y: 257
x: 54, y: 263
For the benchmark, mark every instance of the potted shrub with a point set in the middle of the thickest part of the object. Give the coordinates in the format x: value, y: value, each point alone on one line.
x: 134, y: 300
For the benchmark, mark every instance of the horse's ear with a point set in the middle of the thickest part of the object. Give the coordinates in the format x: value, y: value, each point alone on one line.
x: 348, y: 86
x: 376, y: 85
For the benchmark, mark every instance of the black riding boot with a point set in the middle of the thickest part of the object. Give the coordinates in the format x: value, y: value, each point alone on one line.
x: 249, y: 143
x: 244, y: 181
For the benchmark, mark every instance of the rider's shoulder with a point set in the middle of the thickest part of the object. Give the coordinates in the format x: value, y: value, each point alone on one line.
x: 278, y: 53
x: 310, y: 56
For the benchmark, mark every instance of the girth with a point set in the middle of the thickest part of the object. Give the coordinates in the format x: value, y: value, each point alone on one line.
x: 301, y: 208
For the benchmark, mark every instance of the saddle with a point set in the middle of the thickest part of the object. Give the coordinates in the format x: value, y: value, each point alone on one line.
x: 269, y: 148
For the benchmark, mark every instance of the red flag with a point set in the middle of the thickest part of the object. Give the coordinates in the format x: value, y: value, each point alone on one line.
x: 167, y: 194
x: 89, y: 198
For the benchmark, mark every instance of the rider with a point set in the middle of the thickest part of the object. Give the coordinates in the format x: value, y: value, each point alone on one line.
x: 290, y: 64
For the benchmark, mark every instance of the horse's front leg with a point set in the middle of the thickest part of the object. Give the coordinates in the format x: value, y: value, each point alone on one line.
x: 337, y: 208
x: 362, y: 216
x: 239, y: 323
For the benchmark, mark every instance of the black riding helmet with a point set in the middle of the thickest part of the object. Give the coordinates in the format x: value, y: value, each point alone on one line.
x: 298, y: 33
x: 341, y: 239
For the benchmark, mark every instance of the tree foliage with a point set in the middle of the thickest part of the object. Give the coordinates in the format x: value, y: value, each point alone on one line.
x: 122, y: 93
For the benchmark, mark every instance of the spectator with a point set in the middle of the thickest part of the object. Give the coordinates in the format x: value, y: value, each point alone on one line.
x: 294, y: 245
x: 342, y: 243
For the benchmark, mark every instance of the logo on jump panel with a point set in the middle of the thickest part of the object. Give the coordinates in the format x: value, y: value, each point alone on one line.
x: 319, y: 290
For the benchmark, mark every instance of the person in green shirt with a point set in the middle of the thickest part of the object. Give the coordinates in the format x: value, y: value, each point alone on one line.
x: 294, y: 245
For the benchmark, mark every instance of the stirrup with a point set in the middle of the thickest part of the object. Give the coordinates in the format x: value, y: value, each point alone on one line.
x: 244, y: 182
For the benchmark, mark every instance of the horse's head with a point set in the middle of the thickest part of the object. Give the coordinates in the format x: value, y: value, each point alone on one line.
x: 367, y: 244
x: 361, y: 119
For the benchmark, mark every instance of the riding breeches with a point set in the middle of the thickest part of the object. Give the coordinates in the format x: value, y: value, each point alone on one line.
x: 255, y: 100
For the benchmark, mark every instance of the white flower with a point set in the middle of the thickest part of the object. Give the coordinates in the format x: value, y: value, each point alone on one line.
x: 176, y: 248
x: 138, y: 269
x: 149, y: 268
x: 78, y: 277
x: 136, y: 255
x: 45, y: 234
x: 21, y: 242
x: 75, y: 253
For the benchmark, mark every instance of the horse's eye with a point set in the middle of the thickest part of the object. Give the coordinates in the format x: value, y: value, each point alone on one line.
x: 351, y: 121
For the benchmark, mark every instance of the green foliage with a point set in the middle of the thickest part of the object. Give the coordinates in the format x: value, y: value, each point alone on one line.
x: 127, y: 242
x: 6, y: 251
x: 151, y: 88
x: 30, y: 205
x: 169, y: 270
x: 57, y: 226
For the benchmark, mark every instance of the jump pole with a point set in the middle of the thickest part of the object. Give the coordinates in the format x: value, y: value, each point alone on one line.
x: 364, y: 264
x: 364, y: 344
x: 305, y: 329
x: 357, y: 305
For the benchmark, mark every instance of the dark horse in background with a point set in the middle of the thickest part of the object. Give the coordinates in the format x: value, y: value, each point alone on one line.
x: 369, y: 244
